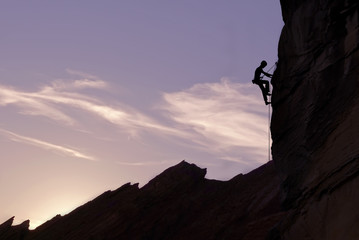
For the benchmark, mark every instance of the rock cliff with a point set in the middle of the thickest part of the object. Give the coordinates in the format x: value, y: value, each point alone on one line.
x: 178, y: 204
x: 315, y: 109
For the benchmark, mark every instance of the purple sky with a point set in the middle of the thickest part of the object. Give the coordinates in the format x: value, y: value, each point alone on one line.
x: 94, y: 94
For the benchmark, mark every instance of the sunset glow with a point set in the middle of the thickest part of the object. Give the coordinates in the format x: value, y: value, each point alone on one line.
x: 95, y: 94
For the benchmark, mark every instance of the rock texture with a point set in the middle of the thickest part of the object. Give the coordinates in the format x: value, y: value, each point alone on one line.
x: 314, y: 124
x: 178, y: 204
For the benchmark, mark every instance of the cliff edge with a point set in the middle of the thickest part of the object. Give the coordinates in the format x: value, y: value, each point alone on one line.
x: 315, y: 109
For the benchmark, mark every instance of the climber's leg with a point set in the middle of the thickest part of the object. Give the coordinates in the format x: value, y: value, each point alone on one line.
x: 264, y: 93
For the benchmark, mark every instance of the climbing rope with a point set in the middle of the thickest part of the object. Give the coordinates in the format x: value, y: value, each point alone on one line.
x: 269, y: 133
x: 275, y: 64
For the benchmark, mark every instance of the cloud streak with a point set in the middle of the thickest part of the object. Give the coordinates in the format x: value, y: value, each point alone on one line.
x: 45, y: 145
x: 54, y: 100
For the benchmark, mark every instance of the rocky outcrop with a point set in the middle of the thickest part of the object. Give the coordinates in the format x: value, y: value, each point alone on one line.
x: 9, y: 232
x: 178, y: 204
x: 314, y: 124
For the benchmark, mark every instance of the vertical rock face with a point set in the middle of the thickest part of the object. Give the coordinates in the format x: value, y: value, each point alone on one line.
x: 315, y: 118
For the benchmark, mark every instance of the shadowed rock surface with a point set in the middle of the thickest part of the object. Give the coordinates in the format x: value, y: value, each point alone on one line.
x: 178, y: 204
x: 315, y: 119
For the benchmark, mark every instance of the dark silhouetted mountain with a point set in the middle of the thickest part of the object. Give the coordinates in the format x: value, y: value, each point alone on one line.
x: 180, y: 203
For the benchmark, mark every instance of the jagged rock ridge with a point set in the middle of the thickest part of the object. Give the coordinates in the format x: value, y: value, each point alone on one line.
x: 178, y: 204
x: 9, y: 232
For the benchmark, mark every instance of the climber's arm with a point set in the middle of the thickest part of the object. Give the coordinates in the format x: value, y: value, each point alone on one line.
x: 267, y: 74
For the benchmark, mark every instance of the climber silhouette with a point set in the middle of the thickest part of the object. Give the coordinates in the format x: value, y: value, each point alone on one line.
x: 263, y: 84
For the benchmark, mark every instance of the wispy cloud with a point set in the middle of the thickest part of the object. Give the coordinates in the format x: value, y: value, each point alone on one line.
x: 225, y: 119
x: 78, y: 84
x: 222, y: 116
x: 54, y: 101
x: 29, y: 104
x: 82, y: 80
x: 45, y: 145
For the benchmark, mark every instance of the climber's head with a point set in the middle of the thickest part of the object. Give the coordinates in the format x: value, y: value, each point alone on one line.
x: 263, y: 64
